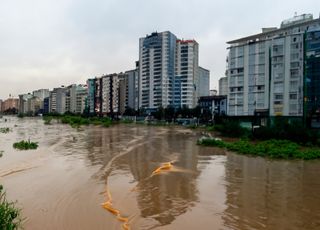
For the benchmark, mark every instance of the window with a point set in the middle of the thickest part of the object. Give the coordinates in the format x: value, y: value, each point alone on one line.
x: 293, y: 96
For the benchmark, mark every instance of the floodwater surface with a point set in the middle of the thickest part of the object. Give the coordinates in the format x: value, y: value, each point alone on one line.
x: 143, y: 177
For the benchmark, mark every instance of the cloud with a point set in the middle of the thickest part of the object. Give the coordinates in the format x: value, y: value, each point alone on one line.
x: 47, y: 43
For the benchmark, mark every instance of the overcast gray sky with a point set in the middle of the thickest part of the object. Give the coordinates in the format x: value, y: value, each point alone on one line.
x: 48, y: 43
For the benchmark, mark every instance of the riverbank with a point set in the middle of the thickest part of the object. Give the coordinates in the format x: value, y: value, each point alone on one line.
x: 279, y: 149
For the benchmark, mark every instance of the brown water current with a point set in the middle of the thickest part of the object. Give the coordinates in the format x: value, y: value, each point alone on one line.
x: 158, y: 178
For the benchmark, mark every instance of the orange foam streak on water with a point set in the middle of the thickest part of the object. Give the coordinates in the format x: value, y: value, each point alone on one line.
x: 108, y: 206
x: 164, y: 167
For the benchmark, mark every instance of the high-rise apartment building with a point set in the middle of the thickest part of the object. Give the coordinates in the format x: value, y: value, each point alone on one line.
x: 132, y: 99
x: 169, y: 72
x: 265, y: 71
x: 157, y: 69
x: 204, y: 82
x: 107, y: 94
x: 223, y: 86
x: 186, y: 82
x: 91, y: 96
x: 312, y: 77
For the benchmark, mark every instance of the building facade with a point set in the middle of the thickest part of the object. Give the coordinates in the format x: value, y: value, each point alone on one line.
x: 186, y: 82
x: 157, y: 69
x: 265, y: 71
x: 312, y: 78
x: 132, y: 99
x: 223, y: 86
x: 204, y: 82
x: 169, y: 72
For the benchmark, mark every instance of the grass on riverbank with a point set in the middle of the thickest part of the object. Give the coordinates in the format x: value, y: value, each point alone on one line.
x: 25, y: 145
x: 280, y: 149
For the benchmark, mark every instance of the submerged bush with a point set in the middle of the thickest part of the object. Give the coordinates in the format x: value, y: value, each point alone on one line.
x: 76, y: 121
x: 47, y: 120
x: 9, y: 214
x: 231, y: 129
x: 4, y: 130
x: 25, y: 145
x: 283, y: 129
x: 281, y: 149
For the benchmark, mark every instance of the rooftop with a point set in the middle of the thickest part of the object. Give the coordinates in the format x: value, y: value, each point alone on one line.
x: 300, y: 20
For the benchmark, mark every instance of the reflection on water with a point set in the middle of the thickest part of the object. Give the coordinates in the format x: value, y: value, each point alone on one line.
x: 62, y: 184
x: 264, y: 194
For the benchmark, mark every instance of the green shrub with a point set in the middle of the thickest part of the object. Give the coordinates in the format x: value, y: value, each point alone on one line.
x: 25, y: 145
x: 283, y: 129
x: 4, y: 130
x: 9, y: 214
x: 231, y: 129
x: 47, y: 120
x: 280, y: 149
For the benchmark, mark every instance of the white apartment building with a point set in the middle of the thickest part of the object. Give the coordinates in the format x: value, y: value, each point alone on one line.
x: 156, y: 72
x: 223, y: 86
x: 265, y: 71
x: 132, y: 99
x: 186, y: 82
x: 169, y: 72
x: 204, y: 82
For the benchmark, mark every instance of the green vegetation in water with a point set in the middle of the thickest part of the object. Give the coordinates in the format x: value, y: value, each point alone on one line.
x: 76, y: 121
x: 47, y: 120
x: 4, y: 130
x: 126, y: 121
x: 231, y: 129
x: 21, y: 115
x: 25, y: 145
x: 280, y: 149
x: 9, y: 214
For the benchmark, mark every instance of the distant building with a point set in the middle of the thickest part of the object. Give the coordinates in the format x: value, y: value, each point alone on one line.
x: 132, y: 99
x: 107, y: 94
x: 223, y: 86
x: 61, y: 98
x: 216, y: 105
x: 157, y: 69
x: 11, y: 104
x: 76, y: 96
x: 312, y: 77
x: 91, y: 96
x: 53, y: 101
x: 46, y: 105
x: 23, y: 103
x: 169, y: 72
x: 187, y: 82
x: 41, y: 93
x: 204, y: 82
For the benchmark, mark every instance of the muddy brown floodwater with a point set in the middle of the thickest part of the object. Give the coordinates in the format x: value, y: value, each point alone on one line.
x: 152, y: 178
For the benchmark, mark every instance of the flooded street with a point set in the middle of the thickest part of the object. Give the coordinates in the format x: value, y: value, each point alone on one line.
x: 63, y: 183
